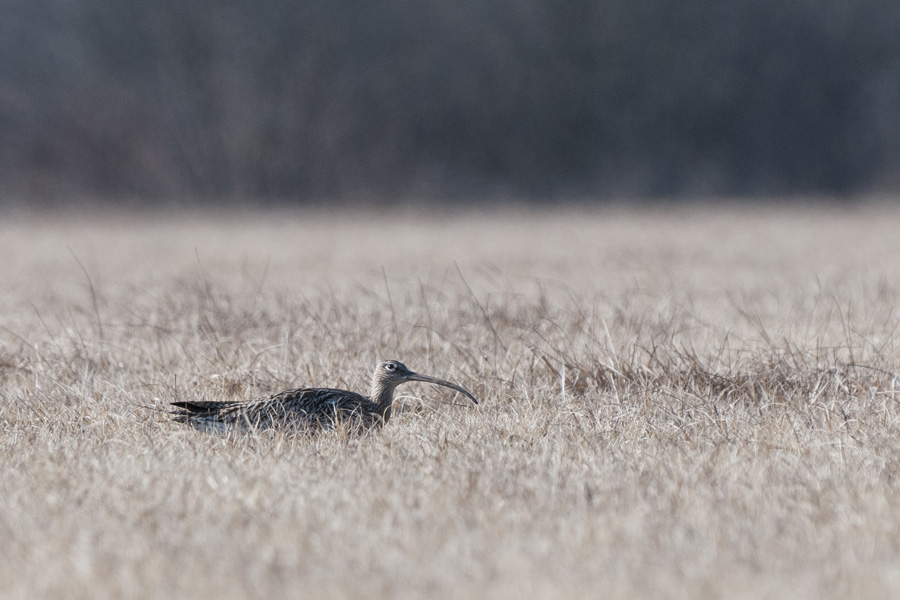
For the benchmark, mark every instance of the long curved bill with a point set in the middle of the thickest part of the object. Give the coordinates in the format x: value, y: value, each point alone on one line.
x: 446, y: 384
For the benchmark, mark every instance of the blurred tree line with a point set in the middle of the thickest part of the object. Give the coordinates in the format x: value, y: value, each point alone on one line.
x: 428, y: 98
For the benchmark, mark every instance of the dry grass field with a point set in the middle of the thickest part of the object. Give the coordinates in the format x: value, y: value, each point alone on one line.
x: 683, y: 404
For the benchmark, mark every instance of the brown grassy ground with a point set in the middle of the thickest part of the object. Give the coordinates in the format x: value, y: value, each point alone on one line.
x: 676, y: 405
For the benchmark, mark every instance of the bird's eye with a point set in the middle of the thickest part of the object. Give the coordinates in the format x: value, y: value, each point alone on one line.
x: 390, y: 366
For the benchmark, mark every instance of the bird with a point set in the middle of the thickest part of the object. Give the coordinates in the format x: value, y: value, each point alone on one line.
x: 308, y: 409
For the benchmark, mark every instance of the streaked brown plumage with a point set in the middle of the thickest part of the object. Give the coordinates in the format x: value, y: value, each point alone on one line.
x: 309, y: 409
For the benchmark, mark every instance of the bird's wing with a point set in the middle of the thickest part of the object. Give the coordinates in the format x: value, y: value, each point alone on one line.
x: 305, y: 407
x: 318, y: 403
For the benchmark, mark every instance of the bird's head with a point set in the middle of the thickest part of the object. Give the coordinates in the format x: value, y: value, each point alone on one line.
x: 391, y: 373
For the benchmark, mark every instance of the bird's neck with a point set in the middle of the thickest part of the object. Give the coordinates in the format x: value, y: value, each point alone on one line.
x: 383, y: 397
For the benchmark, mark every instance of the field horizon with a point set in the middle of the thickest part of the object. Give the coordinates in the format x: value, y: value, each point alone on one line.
x: 676, y: 403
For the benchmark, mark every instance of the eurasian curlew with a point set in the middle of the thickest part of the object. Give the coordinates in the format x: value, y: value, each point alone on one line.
x: 309, y: 409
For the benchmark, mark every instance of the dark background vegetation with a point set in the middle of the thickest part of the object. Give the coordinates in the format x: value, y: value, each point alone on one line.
x: 288, y: 100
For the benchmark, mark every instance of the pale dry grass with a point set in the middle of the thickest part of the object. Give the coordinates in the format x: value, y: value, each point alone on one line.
x: 678, y: 405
